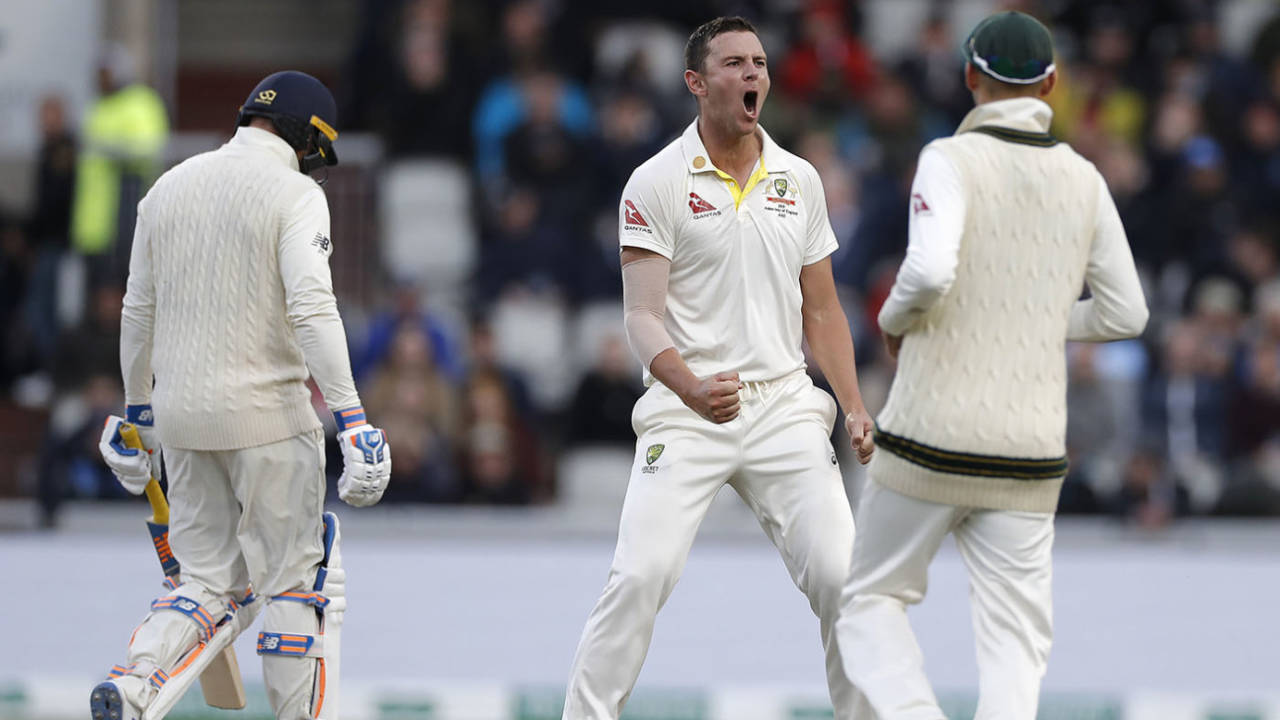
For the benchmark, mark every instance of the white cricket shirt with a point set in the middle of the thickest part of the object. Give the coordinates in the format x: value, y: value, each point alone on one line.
x: 733, y: 293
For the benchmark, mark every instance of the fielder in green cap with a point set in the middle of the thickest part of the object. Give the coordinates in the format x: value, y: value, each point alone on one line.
x: 1011, y: 47
x: 1007, y: 226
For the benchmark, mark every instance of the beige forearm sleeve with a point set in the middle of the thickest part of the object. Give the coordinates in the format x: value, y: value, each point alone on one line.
x: 644, y: 298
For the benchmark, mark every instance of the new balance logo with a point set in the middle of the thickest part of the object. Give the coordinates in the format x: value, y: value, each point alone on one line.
x: 270, y: 642
x: 632, y: 216
x: 321, y: 242
x: 698, y: 205
x: 918, y: 205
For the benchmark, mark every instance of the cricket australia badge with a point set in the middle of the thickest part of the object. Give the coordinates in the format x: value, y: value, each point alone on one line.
x: 780, y: 197
x: 651, y: 458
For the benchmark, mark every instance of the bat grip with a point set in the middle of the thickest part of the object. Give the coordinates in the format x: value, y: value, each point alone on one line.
x: 159, y: 505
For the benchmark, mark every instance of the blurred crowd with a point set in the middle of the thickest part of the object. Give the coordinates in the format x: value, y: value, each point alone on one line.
x: 548, y: 106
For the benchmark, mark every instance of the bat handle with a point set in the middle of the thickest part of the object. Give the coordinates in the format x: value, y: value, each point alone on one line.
x: 159, y: 506
x: 129, y: 433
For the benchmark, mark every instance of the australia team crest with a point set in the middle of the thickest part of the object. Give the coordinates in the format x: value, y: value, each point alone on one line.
x: 653, y: 453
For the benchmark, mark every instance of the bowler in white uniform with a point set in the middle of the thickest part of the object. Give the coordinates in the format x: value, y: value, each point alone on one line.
x: 726, y: 269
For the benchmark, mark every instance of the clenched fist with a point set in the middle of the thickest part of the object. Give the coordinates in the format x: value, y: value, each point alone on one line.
x: 715, y: 398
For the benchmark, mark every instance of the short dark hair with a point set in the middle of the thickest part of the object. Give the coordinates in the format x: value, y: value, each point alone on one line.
x: 695, y: 51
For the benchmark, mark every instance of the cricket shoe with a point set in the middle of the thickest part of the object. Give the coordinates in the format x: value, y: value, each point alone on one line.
x: 108, y: 702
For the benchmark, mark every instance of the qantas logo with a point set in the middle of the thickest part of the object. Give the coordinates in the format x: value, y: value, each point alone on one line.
x: 698, y: 205
x: 632, y: 216
x: 918, y: 205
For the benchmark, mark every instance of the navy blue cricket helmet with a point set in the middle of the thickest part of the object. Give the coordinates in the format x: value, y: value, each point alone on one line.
x: 303, y: 112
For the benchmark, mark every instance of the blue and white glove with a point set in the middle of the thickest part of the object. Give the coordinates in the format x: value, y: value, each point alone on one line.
x: 366, y: 459
x: 132, y: 467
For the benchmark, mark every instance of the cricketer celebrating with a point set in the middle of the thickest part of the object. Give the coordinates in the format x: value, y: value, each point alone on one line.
x: 1006, y: 226
x: 725, y: 244
x: 229, y: 304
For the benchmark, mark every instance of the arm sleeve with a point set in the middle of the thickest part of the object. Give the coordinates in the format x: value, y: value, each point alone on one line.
x: 1117, y: 308
x: 643, y: 218
x: 308, y: 289
x: 137, y: 317
x: 820, y: 239
x: 644, y: 300
x: 935, y: 226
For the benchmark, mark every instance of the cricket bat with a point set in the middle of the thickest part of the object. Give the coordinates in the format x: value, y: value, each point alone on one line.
x: 220, y: 681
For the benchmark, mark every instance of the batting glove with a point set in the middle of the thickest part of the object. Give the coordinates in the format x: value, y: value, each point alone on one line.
x: 366, y: 459
x: 133, y: 468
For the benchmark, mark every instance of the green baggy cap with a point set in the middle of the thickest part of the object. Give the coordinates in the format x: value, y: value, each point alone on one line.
x: 1011, y: 47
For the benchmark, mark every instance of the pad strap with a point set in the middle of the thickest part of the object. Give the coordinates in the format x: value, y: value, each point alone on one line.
x: 290, y: 644
x: 311, y: 598
x: 192, y: 609
x: 158, y: 678
x: 233, y: 606
x: 143, y: 669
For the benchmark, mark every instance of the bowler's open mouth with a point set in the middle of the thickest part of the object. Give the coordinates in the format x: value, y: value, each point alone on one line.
x: 749, y: 102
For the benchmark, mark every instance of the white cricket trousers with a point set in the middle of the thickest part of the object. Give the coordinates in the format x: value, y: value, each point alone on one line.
x: 252, y: 515
x: 1008, y: 557
x: 777, y: 455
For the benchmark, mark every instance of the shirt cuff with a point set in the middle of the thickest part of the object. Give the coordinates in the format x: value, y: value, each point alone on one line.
x: 894, y: 319
x: 652, y: 246
x: 823, y: 253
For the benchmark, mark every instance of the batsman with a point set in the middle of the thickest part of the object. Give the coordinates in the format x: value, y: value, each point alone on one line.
x: 229, y: 306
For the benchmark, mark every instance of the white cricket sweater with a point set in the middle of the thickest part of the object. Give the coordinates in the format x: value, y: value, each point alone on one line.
x: 229, y: 289
x: 1007, y: 226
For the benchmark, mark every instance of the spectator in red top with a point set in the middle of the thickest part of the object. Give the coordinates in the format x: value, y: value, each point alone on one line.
x: 828, y: 63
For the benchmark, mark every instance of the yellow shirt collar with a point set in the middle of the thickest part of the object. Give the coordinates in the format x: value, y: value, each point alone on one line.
x: 739, y: 193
